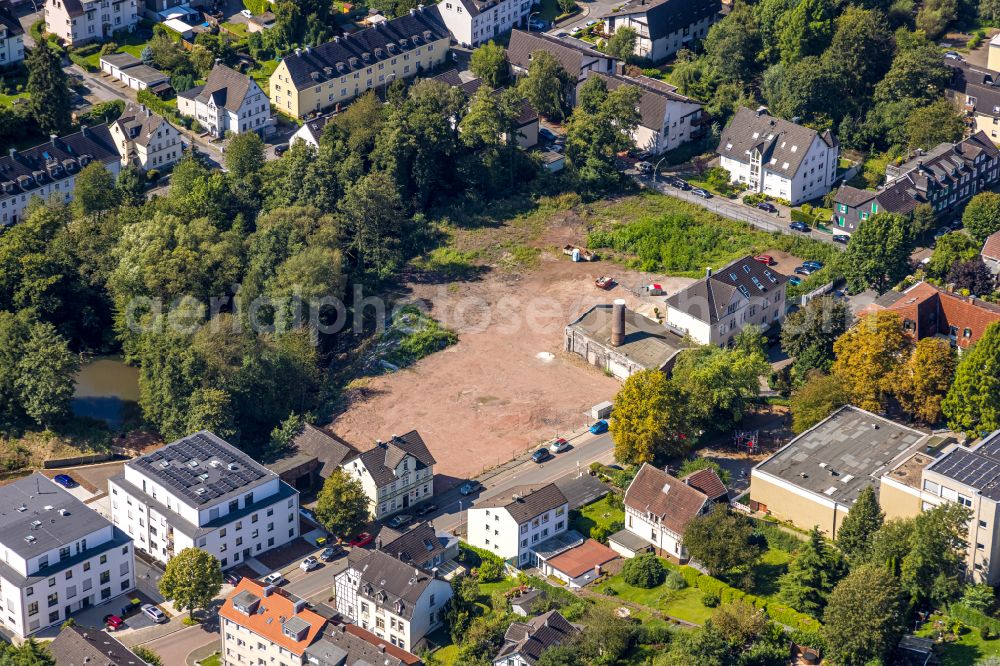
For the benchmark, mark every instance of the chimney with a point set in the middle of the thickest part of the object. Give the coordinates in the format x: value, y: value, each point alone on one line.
x: 761, y: 111
x: 298, y: 52
x: 618, y: 323
x: 413, y: 11
x: 708, y: 272
x: 12, y: 152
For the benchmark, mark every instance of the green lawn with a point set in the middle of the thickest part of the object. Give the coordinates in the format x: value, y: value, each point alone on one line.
x: 446, y: 655
x: 968, y: 649
x: 238, y: 29
x: 214, y: 660
x: 7, y: 100
x: 262, y: 73
x: 767, y: 572
x: 683, y: 604
x: 486, y: 590
x: 596, y: 514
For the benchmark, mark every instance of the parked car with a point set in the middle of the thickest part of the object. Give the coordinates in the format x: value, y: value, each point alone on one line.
x: 768, y: 206
x: 765, y: 259
x: 679, y: 183
x: 113, y: 622
x: 698, y: 192
x: 546, y: 134
x: 799, y: 226
x: 599, y: 427
x: 232, y: 578
x: 592, y: 22
x: 309, y: 563
x: 246, y: 13
x: 644, y: 167
x: 562, y: 35
x: 155, y: 614
x: 804, y: 270
x: 280, y: 149
x: 794, y: 281
x: 65, y: 480
x: 815, y: 265
x: 400, y: 520
x: 537, y: 24
x: 558, y: 445
x: 469, y: 487
x: 425, y: 508
x: 331, y: 553
x: 362, y: 540
x: 843, y: 239
x: 274, y: 579
x: 943, y: 231
x: 952, y: 55
x: 541, y: 455
x: 132, y: 606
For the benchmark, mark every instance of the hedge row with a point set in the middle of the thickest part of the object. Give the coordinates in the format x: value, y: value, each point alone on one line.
x: 972, y: 617
x: 727, y: 593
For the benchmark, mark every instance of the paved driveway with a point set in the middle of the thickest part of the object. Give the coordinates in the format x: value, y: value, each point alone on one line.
x: 175, y: 648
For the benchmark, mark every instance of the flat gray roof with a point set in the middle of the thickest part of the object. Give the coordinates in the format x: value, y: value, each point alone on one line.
x: 647, y: 342
x: 121, y: 60
x: 842, y: 454
x: 978, y: 467
x: 203, y: 469
x: 37, y: 516
x: 146, y: 74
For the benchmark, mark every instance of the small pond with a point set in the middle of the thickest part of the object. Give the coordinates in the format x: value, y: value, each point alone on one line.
x: 103, y: 386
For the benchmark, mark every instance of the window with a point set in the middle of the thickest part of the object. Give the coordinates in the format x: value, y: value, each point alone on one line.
x: 965, y: 501
x: 54, y: 615
x: 104, y: 559
x: 53, y: 599
x: 967, y: 333
x: 52, y: 582
x: 105, y: 577
x: 33, y: 608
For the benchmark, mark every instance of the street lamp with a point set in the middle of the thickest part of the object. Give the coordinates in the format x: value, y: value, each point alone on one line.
x: 529, y: 19
x: 656, y: 169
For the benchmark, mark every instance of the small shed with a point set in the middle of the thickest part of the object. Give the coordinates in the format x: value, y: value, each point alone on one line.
x: 183, y: 29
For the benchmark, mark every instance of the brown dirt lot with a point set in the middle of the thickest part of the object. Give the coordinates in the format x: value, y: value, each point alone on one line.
x: 497, y: 391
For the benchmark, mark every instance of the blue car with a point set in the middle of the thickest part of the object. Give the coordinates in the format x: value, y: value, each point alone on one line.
x: 800, y: 226
x: 794, y: 281
x: 541, y: 455
x: 599, y: 427
x: 65, y: 480
x: 815, y: 265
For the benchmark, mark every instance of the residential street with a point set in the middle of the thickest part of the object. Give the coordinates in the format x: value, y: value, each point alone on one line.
x: 174, y: 648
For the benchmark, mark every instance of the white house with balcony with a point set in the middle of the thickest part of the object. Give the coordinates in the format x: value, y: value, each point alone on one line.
x: 474, y: 22
x: 81, y: 21
x: 57, y: 556
x: 778, y: 157
x: 516, y: 522
x: 715, y: 309
x: 201, y: 491
x: 395, y: 475
x: 393, y: 599
x: 228, y: 102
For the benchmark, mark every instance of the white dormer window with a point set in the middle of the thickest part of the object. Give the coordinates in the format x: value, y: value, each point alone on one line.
x: 729, y: 146
x: 795, y: 149
x: 756, y: 134
x: 784, y: 165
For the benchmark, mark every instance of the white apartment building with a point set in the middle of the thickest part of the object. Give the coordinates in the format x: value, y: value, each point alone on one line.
x: 658, y: 508
x: 663, y: 27
x: 202, y: 492
x: 514, y: 523
x: 395, y: 475
x: 266, y: 625
x: 393, y: 599
x: 473, y: 22
x: 57, y: 556
x: 968, y: 476
x: 81, y: 21
x: 228, y: 102
x: 777, y: 157
x: 145, y: 139
x: 715, y: 309
x: 50, y: 169
x: 11, y: 36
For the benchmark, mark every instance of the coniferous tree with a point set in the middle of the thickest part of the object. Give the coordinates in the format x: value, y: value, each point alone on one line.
x: 812, y: 575
x: 856, y: 534
x: 50, y: 101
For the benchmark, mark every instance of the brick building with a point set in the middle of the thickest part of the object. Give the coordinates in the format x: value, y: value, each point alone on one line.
x: 929, y: 311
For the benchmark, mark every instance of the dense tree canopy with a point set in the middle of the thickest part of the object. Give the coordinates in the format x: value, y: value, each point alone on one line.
x: 649, y: 419
x: 973, y: 401
x: 869, y: 356
x: 864, y: 616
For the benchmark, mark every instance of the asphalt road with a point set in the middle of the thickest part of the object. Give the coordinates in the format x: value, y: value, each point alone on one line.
x: 174, y: 648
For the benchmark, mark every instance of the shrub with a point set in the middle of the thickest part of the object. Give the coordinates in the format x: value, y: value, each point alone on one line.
x: 616, y: 501
x: 691, y: 575
x: 710, y: 600
x: 985, y: 633
x: 610, y: 591
x: 675, y: 581
x: 153, y: 175
x: 109, y: 48
x: 973, y: 618
x: 491, y: 570
x: 644, y: 571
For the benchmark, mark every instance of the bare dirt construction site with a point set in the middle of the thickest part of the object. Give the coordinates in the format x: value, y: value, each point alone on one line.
x: 507, y: 385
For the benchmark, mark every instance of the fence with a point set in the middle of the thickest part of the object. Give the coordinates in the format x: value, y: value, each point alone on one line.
x: 56, y: 463
x: 742, y: 508
x: 815, y: 293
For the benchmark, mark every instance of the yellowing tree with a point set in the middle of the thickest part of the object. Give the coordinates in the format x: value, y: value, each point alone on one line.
x: 869, y: 357
x: 925, y: 379
x: 648, y: 419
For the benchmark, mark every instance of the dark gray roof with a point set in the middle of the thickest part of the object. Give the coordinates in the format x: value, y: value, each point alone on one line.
x: 181, y: 524
x: 656, y: 95
x: 9, y: 19
x: 381, y: 461
x: 782, y: 144
x: 146, y: 74
x: 191, y: 93
x: 56, y: 160
x: 646, y: 342
x: 418, y: 546
x: 139, y: 123
x: 389, y: 582
x: 529, y: 639
x: 121, y: 60
x: 295, y: 624
x: 978, y: 467
x: 225, y: 87
x: 203, y: 469
x: 708, y: 299
x: 525, y: 502
x: 978, y: 82
x: 668, y: 16
x: 73, y: 7
x: 843, y: 453
x: 347, y: 53
x: 571, y: 53
x: 76, y: 646
x: 853, y: 196
x: 313, y: 442
x: 37, y: 516
x: 350, y: 645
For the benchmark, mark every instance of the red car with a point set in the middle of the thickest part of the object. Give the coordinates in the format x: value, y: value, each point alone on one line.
x: 765, y: 259
x: 362, y: 540
x: 113, y: 622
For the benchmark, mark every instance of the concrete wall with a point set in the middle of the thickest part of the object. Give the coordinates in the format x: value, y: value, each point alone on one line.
x: 788, y: 502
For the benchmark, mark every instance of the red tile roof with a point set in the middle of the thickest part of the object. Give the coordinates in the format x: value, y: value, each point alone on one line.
x: 933, y: 311
x: 668, y: 498
x: 708, y: 482
x: 272, y: 611
x: 578, y: 561
x: 991, y: 248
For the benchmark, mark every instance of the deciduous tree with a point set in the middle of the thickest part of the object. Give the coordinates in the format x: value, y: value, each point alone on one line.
x: 808, y: 334
x: 489, y: 62
x: 972, y: 276
x: 982, y: 216
x: 719, y: 382
x: 546, y: 86
x: 938, y: 122
x: 879, y: 253
x: 342, y: 506
x: 723, y: 542
x: 973, y: 401
x: 816, y: 399
x: 191, y: 580
x: 649, y: 419
x: 864, y: 617
x: 621, y: 45
x: 244, y: 154
x: 94, y: 190
x: 869, y: 357
x: 925, y: 379
x: 951, y: 249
